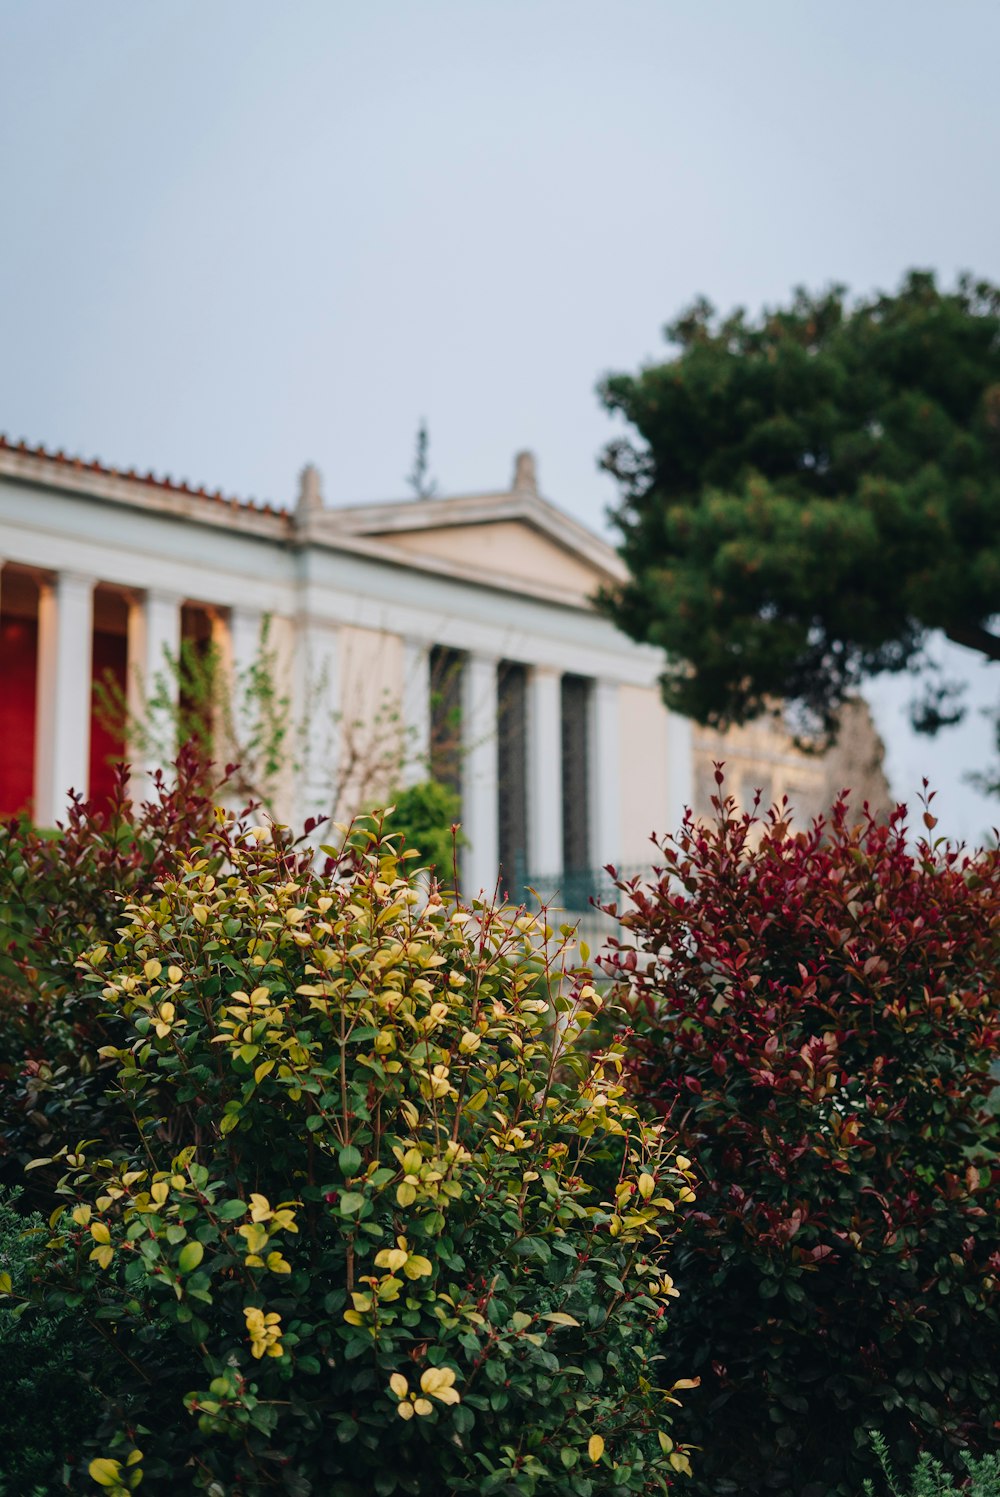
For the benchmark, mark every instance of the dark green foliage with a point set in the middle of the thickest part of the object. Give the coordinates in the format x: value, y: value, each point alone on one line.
x: 810, y: 493
x: 817, y: 1014
x: 47, y: 1404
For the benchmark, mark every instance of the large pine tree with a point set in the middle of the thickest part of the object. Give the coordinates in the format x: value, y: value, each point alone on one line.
x: 809, y: 494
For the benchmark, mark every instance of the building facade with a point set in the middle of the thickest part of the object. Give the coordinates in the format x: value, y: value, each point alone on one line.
x: 472, y: 613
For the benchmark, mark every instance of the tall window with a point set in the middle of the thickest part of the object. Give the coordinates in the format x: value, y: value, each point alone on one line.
x: 576, y: 773
x: 446, y: 716
x: 512, y: 775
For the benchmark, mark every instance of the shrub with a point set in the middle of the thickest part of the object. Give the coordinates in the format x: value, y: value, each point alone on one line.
x: 59, y: 894
x: 818, y: 1017
x: 427, y: 816
x: 355, y: 1247
x: 930, y: 1479
x: 46, y: 1403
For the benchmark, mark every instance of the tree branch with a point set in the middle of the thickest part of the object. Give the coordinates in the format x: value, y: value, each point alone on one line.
x: 975, y: 637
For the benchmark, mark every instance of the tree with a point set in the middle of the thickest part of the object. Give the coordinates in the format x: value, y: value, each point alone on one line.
x: 813, y: 494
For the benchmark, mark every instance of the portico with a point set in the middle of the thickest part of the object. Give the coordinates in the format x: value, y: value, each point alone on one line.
x: 106, y: 572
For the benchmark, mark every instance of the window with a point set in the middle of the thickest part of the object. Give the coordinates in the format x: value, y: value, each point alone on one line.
x: 512, y: 775
x: 446, y: 716
x: 576, y: 772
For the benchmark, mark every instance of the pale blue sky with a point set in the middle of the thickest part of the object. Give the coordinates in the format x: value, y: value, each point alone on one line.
x: 238, y: 236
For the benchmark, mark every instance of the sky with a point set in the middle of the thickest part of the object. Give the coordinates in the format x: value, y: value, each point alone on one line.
x: 239, y: 237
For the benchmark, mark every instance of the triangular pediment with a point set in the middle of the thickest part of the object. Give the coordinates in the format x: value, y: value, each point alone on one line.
x: 521, y: 539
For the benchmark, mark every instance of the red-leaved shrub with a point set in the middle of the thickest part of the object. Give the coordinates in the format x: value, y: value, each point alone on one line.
x: 60, y: 892
x: 817, y: 1012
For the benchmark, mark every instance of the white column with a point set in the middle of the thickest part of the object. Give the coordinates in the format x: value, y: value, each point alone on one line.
x: 545, y: 790
x: 65, y: 688
x: 240, y: 653
x: 154, y: 640
x: 481, y: 859
x: 316, y: 716
x: 680, y: 768
x: 416, y: 711
x: 605, y: 774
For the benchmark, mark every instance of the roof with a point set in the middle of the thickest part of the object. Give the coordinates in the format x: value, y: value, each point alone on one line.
x: 377, y: 531
x: 523, y: 505
x: 79, y: 466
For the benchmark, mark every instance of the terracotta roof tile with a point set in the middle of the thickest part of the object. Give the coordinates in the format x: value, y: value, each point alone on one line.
x: 182, y: 487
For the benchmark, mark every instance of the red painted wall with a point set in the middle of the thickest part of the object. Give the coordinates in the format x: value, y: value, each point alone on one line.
x: 18, y: 656
x: 110, y: 656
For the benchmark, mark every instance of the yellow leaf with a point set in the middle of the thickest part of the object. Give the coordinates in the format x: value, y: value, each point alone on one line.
x: 5, y: 1283
x: 103, y: 1255
x: 595, y: 1447
x: 391, y: 1258
x: 99, y: 1232
x: 405, y: 1411
x: 264, y: 1069
x: 105, y: 1472
x: 646, y: 1186
x: 666, y: 1444
x: 399, y: 1385
x: 175, y: 974
x: 422, y: 1406
x: 405, y: 1194
x: 682, y: 1163
x: 417, y: 1267
x: 152, y: 969
x: 559, y: 1317
x: 260, y: 1208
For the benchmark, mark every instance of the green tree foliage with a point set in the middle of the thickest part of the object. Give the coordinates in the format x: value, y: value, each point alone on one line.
x: 809, y: 494
x: 384, y: 1221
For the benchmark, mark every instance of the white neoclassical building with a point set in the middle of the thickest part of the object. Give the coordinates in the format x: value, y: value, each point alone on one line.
x: 568, y: 759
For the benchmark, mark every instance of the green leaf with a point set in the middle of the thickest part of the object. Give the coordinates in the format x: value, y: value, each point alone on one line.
x: 351, y: 1201
x: 190, y: 1256
x: 230, y: 1210
x: 350, y: 1160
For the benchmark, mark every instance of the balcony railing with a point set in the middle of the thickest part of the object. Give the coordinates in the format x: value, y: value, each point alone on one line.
x: 573, y: 890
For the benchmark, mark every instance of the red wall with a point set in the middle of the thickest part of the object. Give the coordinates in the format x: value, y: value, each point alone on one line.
x: 18, y: 654
x: 110, y: 656
x: 18, y: 673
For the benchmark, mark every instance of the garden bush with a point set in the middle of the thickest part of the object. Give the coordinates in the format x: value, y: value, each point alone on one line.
x: 818, y: 1015
x: 47, y: 1405
x: 352, y: 1243
x: 930, y: 1479
x: 60, y: 893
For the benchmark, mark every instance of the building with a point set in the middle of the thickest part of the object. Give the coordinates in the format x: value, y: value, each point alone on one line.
x: 476, y: 609
x: 761, y: 758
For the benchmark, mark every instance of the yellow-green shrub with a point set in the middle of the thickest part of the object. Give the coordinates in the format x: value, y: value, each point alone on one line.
x: 361, y: 1247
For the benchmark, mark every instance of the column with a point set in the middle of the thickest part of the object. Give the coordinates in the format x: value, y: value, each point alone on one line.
x: 240, y: 653
x: 545, y: 790
x: 321, y: 777
x: 65, y: 669
x: 154, y: 641
x: 680, y: 768
x: 481, y: 859
x: 605, y: 784
x: 416, y: 711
